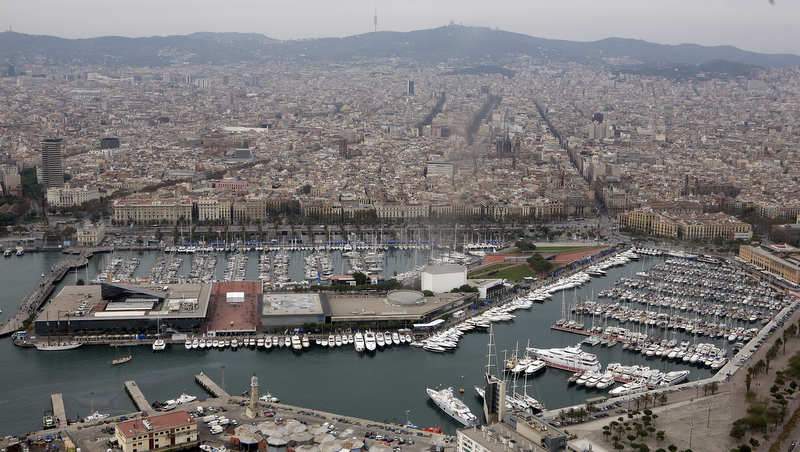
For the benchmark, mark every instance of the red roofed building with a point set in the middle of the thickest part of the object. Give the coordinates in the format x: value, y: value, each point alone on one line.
x: 157, y: 432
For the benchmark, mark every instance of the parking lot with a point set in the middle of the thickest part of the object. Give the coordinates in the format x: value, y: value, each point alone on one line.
x: 228, y: 414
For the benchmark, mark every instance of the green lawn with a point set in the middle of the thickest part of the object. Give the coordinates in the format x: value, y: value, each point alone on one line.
x: 515, y: 272
x: 505, y: 271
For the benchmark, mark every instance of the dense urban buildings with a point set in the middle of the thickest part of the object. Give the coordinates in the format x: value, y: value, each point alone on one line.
x: 399, y: 142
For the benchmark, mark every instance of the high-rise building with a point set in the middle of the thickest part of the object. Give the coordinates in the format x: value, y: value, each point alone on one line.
x: 410, y: 90
x: 109, y: 143
x: 52, y: 166
x: 12, y: 72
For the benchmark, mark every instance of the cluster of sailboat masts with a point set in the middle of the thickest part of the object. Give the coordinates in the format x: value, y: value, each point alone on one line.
x: 292, y: 246
x: 362, y: 341
x: 117, y: 270
x: 650, y: 319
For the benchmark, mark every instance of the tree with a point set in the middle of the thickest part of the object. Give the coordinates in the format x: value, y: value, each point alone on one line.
x: 80, y: 282
x: 360, y: 278
x: 737, y: 432
x: 748, y: 379
x: 660, y: 435
x: 713, y: 387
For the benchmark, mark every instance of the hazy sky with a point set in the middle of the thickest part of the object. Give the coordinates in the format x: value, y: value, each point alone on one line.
x: 755, y: 25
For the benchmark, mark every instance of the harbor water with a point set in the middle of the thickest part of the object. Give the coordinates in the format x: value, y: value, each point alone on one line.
x: 383, y: 386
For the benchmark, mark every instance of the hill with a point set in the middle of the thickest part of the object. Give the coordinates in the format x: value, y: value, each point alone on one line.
x: 468, y: 45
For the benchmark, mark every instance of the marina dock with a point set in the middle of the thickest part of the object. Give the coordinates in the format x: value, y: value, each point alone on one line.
x: 209, y: 385
x: 58, y: 408
x: 136, y: 394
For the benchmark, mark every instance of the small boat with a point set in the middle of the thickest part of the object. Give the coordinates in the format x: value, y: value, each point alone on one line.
x: 94, y: 417
x: 121, y: 359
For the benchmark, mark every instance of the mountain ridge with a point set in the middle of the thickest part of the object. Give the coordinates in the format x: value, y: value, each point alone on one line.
x: 477, y: 45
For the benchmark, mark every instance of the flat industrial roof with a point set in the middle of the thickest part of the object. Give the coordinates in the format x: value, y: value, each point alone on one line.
x: 348, y: 307
x: 291, y: 304
x: 87, y: 299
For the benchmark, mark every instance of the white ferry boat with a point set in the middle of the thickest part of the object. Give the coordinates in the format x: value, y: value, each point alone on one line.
x: 455, y: 408
x: 569, y: 358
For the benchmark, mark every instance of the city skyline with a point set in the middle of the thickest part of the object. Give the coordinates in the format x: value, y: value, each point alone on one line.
x: 762, y: 26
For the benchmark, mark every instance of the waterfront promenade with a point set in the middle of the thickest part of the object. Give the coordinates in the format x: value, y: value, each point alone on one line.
x: 33, y: 301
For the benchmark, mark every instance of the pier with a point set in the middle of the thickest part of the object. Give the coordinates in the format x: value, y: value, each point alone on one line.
x: 137, y: 396
x: 58, y: 408
x: 209, y: 385
x: 33, y: 301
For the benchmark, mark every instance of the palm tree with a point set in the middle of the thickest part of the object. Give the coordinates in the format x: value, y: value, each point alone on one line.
x: 648, y: 398
x: 713, y: 387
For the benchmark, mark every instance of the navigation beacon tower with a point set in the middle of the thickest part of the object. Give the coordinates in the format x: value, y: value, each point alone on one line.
x: 375, y: 19
x: 254, y: 409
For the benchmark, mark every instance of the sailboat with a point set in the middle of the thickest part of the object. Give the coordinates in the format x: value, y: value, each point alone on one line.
x: 159, y: 344
x: 122, y: 359
x: 58, y: 346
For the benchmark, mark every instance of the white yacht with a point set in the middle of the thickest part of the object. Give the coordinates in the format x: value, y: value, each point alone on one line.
x: 570, y: 358
x: 369, y: 341
x: 674, y: 377
x: 628, y: 388
x: 297, y: 344
x: 454, y: 407
x: 536, y: 366
x: 359, y: 342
